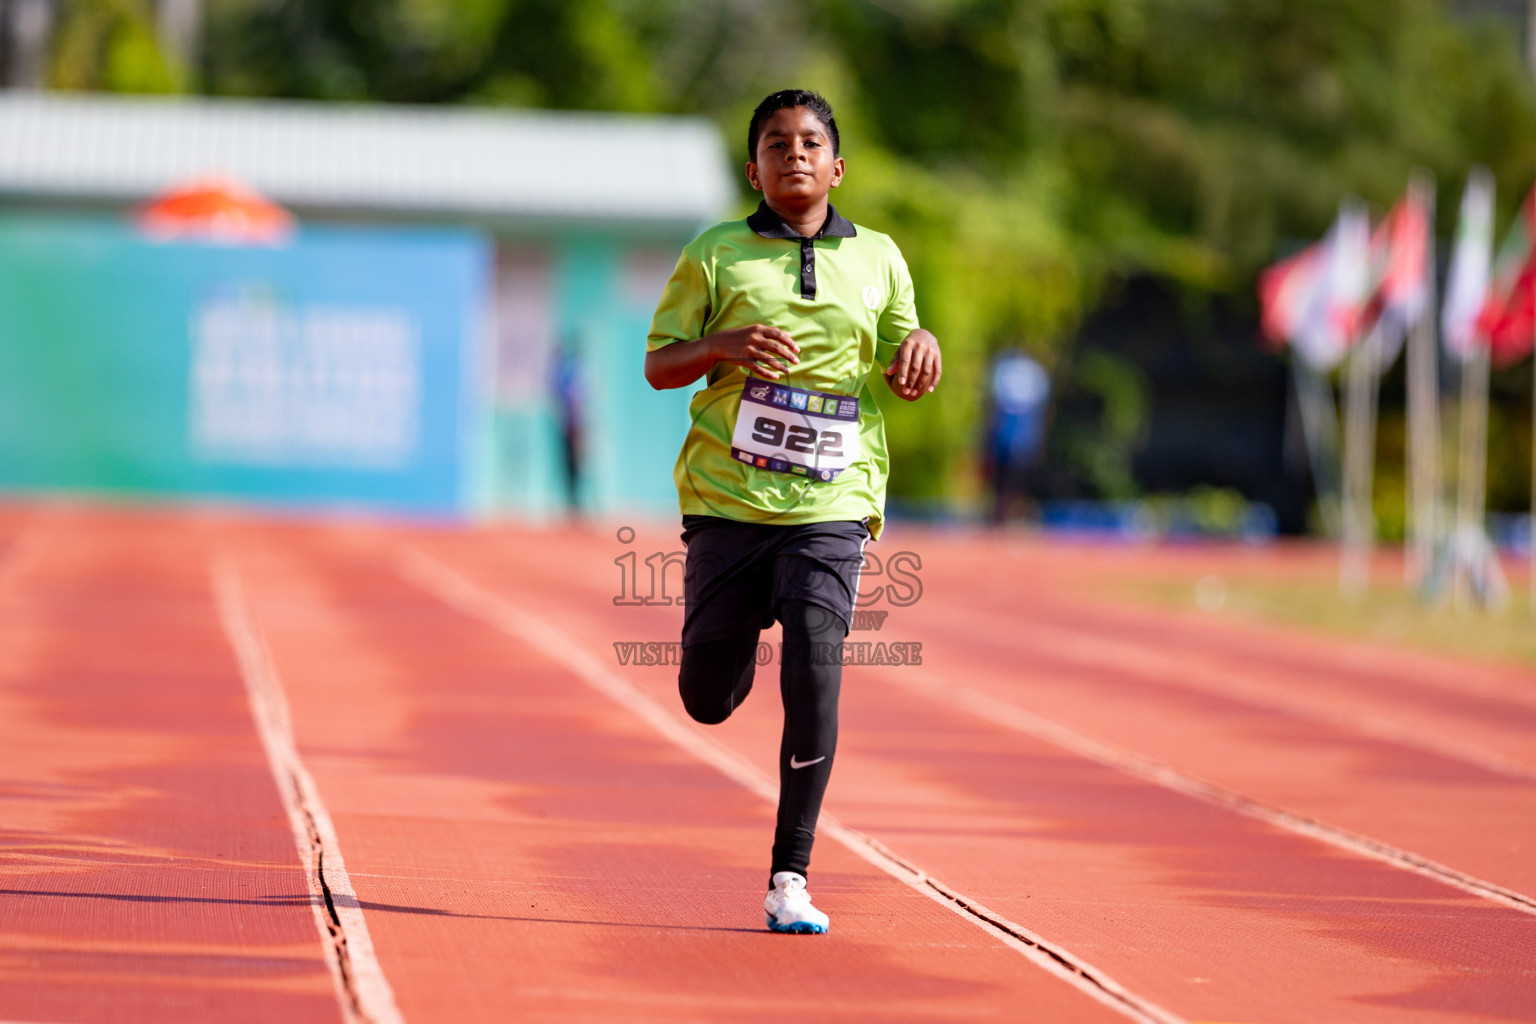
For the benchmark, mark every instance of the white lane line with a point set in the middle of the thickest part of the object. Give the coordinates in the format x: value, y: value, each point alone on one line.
x: 1011, y: 716
x: 1144, y: 661
x: 361, y: 987
x: 476, y: 601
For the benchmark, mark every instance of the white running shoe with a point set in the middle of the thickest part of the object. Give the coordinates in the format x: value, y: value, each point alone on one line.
x: 789, y: 909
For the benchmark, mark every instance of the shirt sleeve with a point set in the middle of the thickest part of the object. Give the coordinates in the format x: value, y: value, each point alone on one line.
x: 685, y: 304
x: 899, y: 317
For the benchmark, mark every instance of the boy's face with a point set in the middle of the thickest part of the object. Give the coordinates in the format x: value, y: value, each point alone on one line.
x: 795, y: 163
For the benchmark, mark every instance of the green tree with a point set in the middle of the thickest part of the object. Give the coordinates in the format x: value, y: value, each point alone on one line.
x: 1026, y: 154
x: 110, y: 45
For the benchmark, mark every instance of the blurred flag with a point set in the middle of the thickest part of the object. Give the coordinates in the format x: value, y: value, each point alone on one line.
x: 1285, y: 290
x: 1466, y: 288
x: 1398, y: 275
x: 219, y: 211
x: 1316, y: 299
x: 1508, y: 318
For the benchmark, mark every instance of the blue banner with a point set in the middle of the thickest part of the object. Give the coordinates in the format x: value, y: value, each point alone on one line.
x: 339, y: 370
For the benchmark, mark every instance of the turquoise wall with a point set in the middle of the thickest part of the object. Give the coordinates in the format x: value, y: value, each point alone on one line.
x: 110, y: 375
x: 631, y: 432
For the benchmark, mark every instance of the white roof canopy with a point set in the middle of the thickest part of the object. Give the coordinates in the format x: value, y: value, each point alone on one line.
x: 447, y: 161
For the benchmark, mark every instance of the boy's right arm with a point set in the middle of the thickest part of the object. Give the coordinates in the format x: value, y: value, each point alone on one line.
x: 759, y: 347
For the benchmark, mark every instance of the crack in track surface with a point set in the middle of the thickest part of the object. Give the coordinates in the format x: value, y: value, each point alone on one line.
x: 340, y: 956
x: 997, y: 923
x: 458, y: 591
x: 361, y: 987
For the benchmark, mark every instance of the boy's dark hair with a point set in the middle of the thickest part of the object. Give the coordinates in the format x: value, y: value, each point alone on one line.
x: 786, y: 98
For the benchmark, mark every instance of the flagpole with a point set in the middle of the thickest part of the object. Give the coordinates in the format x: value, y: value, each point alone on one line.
x: 1359, y: 464
x: 1352, y: 259
x: 1423, y: 408
x: 1475, y: 301
x: 1532, y: 541
x: 1320, y: 429
x: 1311, y: 301
x: 1472, y: 475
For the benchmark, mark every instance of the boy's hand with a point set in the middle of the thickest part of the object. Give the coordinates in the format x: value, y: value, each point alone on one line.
x: 917, y: 367
x: 760, y: 348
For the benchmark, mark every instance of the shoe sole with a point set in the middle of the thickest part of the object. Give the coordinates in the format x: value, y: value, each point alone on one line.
x: 797, y: 928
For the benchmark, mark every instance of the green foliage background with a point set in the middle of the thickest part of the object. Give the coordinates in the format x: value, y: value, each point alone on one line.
x: 1025, y: 154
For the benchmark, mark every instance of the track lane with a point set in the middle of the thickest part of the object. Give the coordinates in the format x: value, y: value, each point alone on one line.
x: 1475, y: 820
x: 147, y: 871
x: 1324, y: 767
x: 1065, y: 585
x: 954, y: 824
x: 516, y: 837
x: 977, y: 807
x: 1490, y: 733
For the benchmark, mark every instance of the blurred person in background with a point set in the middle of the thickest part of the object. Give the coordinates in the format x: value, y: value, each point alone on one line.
x: 566, y: 384
x: 1020, y: 389
x: 782, y: 477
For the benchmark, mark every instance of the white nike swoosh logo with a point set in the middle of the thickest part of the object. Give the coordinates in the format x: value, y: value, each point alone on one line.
x: 804, y: 764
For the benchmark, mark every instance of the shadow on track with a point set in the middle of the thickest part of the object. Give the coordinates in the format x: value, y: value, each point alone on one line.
x: 388, y: 908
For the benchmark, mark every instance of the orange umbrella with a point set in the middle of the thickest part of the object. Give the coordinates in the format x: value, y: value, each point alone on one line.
x: 220, y: 211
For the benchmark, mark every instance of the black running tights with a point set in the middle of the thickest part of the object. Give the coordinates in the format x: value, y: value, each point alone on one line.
x: 716, y: 677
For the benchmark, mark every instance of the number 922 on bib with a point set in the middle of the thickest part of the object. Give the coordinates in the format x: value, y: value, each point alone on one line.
x: 791, y: 430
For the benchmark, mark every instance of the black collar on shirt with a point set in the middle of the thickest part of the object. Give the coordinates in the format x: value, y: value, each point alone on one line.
x: 770, y: 225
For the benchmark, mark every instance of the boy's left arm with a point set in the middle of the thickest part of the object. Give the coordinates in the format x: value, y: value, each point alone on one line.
x: 917, y: 367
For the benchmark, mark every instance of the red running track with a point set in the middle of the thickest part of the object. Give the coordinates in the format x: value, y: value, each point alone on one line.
x: 148, y: 872
x: 1205, y: 822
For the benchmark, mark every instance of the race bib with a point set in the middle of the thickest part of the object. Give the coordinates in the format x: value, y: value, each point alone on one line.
x: 792, y: 430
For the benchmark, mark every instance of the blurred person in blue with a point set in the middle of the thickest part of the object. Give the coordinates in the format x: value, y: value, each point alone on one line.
x: 1020, y: 389
x: 567, y: 389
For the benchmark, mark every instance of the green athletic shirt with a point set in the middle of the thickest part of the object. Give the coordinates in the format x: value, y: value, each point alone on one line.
x: 845, y: 296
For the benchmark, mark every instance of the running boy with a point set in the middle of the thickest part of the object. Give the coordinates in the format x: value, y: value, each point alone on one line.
x: 782, y: 475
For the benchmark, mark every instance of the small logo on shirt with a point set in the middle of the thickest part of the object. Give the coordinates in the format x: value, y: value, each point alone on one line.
x: 871, y: 297
x: 795, y: 762
x: 760, y: 391
x: 813, y: 404
x: 797, y: 400
x: 780, y: 398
